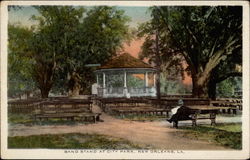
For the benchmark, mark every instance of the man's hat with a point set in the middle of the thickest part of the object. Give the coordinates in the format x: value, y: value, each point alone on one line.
x: 180, y: 102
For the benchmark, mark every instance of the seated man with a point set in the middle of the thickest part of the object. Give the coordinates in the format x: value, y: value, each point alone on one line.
x: 181, y: 112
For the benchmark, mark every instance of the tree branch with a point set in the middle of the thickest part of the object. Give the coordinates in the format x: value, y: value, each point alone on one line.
x: 192, y: 34
x: 225, y: 76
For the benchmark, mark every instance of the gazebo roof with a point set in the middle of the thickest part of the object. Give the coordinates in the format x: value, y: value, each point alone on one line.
x: 125, y: 61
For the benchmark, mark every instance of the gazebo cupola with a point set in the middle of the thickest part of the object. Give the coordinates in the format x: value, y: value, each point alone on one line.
x: 126, y: 76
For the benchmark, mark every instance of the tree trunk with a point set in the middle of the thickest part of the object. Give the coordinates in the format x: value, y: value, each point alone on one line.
x: 158, y: 85
x: 44, y: 92
x: 74, y: 92
x: 212, y: 90
x: 43, y: 74
x: 74, y: 85
x: 158, y: 65
x: 200, y: 86
x: 200, y: 91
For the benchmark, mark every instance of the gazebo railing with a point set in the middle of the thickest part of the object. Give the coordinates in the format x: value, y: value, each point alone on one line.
x: 137, y: 90
x: 120, y: 91
x: 115, y: 90
x: 100, y: 92
x: 141, y: 91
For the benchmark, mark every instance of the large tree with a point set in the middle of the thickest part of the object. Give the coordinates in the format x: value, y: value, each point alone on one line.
x: 98, y: 38
x: 157, y: 51
x: 48, y: 42
x: 207, y: 37
x: 67, y: 38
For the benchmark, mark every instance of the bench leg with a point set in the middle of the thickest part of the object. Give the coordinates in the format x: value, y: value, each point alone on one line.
x: 98, y: 118
x: 223, y: 111
x: 234, y: 111
x: 194, y: 122
x: 175, y: 124
x: 213, y: 122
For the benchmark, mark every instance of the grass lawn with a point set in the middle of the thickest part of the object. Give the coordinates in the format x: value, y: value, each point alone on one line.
x: 228, y: 135
x: 70, y: 141
x: 27, y: 119
x: 19, y: 118
x: 142, y: 118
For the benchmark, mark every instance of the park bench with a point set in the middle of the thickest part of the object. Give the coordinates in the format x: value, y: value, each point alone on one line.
x: 200, y: 113
x: 122, y: 111
x: 132, y: 106
x: 228, y: 104
x: 172, y: 102
x: 109, y: 104
x: 24, y: 106
x: 68, y: 109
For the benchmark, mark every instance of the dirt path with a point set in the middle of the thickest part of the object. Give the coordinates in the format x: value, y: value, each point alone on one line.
x: 155, y: 134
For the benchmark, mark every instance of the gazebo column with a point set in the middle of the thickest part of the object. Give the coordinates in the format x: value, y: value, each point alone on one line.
x: 154, y: 80
x: 154, y: 84
x: 125, y: 79
x: 103, y: 85
x: 125, y: 89
x: 146, y: 82
x: 97, y: 82
x: 97, y: 79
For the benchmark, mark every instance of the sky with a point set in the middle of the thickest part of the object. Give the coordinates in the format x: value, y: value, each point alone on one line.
x: 138, y: 15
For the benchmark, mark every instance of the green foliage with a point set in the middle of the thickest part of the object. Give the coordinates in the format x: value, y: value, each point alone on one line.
x: 70, y: 141
x: 135, y: 82
x: 66, y: 39
x: 173, y: 87
x: 105, y: 30
x: 207, y: 37
x: 114, y: 80
x: 228, y: 87
x: 91, y: 39
x: 19, y: 64
x: 169, y: 60
x: 225, y: 89
x: 117, y: 80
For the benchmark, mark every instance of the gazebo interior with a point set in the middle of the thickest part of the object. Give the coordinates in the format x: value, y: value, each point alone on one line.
x: 126, y: 76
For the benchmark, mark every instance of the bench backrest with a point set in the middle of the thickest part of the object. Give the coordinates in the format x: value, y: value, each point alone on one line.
x: 66, y: 106
x: 58, y: 105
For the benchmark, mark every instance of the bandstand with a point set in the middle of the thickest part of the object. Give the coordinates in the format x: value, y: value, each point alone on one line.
x: 126, y: 76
